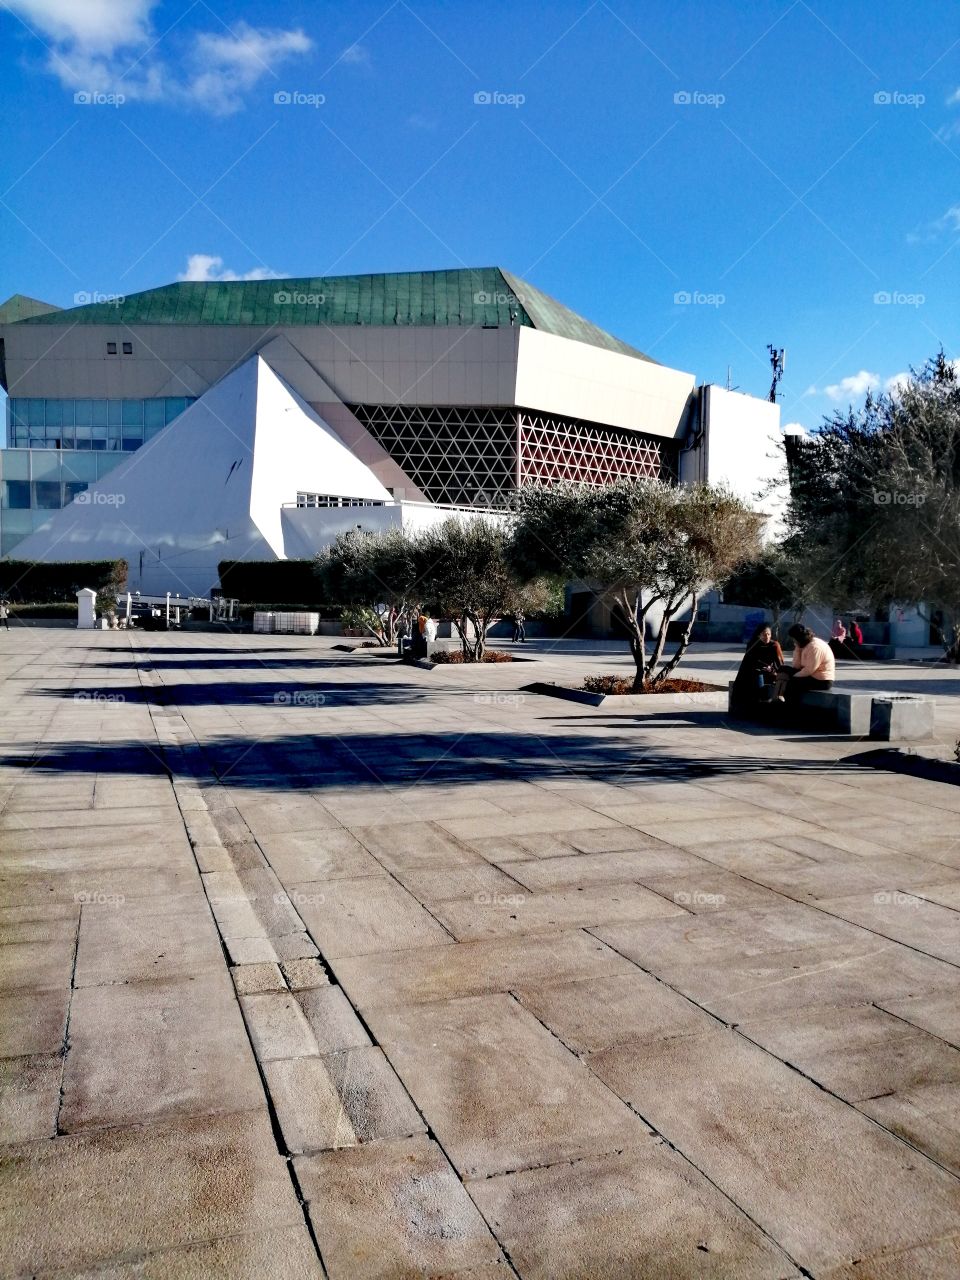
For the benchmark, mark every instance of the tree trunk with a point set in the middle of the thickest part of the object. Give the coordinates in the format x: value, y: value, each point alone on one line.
x: 633, y: 619
x: 675, y: 661
x: 670, y: 607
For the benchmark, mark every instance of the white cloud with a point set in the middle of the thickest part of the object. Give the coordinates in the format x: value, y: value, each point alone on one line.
x: 894, y: 385
x: 795, y: 429
x: 356, y: 55
x: 109, y: 46
x: 857, y: 385
x: 207, y: 267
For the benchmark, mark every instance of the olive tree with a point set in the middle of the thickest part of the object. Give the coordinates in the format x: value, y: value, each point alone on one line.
x: 374, y: 574
x: 649, y: 548
x: 467, y: 574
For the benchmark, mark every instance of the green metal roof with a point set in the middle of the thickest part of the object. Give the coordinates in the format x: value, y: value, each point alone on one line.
x: 483, y: 296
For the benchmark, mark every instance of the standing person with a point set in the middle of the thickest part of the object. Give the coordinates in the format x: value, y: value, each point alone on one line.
x: 5, y: 614
x: 759, y: 668
x: 519, y: 630
x: 814, y: 666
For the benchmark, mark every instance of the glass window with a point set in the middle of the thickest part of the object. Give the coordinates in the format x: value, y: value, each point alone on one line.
x: 106, y: 462
x: 98, y: 444
x: 113, y: 412
x: 83, y: 411
x: 130, y: 443
x: 35, y: 413
x: 175, y: 406
x: 81, y: 466
x: 45, y: 464
x: 111, y: 348
x: 15, y: 495
x: 16, y: 464
x: 54, y: 413
x: 153, y: 413
x: 66, y: 410
x: 70, y: 490
x: 99, y: 410
x: 131, y: 413
x: 48, y: 495
x: 128, y: 348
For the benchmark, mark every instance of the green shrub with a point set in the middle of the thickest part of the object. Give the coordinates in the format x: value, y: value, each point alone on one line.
x: 53, y: 609
x: 285, y: 580
x: 24, y: 581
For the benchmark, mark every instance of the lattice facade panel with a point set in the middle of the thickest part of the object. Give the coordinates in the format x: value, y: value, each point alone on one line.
x: 452, y: 454
x: 477, y: 457
x: 552, y: 449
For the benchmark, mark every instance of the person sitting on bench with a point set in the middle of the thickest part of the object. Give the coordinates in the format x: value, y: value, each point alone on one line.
x: 762, y: 663
x: 814, y: 666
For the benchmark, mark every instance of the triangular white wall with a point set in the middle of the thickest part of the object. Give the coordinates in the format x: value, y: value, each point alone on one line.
x: 209, y: 487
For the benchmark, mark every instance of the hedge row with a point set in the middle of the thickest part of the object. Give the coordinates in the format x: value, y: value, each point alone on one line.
x: 249, y: 580
x: 31, y: 580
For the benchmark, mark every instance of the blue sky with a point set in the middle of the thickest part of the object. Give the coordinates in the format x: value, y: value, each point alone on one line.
x: 699, y: 179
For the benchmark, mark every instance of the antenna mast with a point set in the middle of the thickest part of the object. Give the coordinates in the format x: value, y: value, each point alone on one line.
x: 778, y: 362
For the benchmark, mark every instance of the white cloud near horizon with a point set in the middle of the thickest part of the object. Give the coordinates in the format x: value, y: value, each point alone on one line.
x: 205, y: 267
x: 853, y: 387
x: 111, y: 46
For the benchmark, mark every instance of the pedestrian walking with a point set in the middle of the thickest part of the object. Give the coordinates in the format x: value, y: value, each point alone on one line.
x: 5, y: 614
x: 519, y: 630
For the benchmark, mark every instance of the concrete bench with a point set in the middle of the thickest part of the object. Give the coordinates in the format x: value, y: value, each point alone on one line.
x: 897, y: 717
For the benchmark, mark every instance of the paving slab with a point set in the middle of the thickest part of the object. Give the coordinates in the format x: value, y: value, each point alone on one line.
x: 365, y: 915
x: 857, y: 1052
x: 925, y: 1116
x: 818, y: 1177
x: 287, y: 1254
x: 146, y: 1049
x: 187, y: 1180
x: 530, y: 1101
x: 134, y: 941
x: 394, y: 1209
x: 332, y: 1021
x: 631, y: 1216
x: 303, y: 974
x: 328, y: 854
x: 339, y: 1100
x: 29, y: 1097
x: 938, y: 1014
x: 602, y: 868
x: 600, y: 1012
x: 33, y: 1021
x: 416, y: 846
x: 500, y: 915
x: 473, y: 968
x: 250, y: 979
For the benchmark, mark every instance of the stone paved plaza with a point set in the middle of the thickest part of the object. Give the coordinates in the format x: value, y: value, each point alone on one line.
x: 316, y: 965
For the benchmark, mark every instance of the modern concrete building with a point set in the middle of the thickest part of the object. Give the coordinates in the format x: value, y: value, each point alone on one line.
x: 200, y: 422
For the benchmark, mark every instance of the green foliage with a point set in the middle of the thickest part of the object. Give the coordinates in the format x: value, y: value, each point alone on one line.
x: 874, y: 515
x: 375, y: 576
x: 33, y: 580
x: 288, y: 581
x: 468, y: 574
x: 642, y: 544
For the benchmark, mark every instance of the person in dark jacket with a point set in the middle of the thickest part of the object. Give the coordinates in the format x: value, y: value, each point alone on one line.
x: 759, y: 667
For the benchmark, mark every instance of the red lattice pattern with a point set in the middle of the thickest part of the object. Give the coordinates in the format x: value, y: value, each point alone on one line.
x: 555, y: 449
